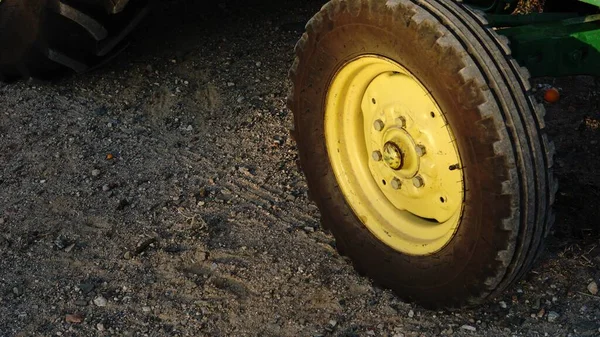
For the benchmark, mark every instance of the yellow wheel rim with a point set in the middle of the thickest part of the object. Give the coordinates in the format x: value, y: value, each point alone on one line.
x: 393, y: 155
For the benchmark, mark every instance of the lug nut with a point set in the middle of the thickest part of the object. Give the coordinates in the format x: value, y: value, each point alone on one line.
x: 418, y: 181
x: 420, y: 149
x: 396, y: 183
x: 377, y: 155
x: 401, y: 122
x: 378, y: 125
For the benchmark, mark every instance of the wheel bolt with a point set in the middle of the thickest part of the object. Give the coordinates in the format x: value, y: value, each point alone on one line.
x: 420, y: 149
x: 418, y: 182
x: 378, y: 125
x: 377, y: 155
x: 396, y: 183
x: 401, y: 122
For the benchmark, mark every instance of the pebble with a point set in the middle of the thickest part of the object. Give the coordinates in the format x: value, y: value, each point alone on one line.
x: 100, y: 327
x: 16, y: 291
x: 593, y: 288
x: 100, y: 301
x: 411, y: 314
x: 230, y: 84
x: 468, y: 327
x: 503, y: 305
x: 541, y: 313
x: 127, y: 255
x: 105, y: 188
x: 146, y: 309
x: 553, y: 316
x: 74, y: 318
x: 309, y: 229
x: 86, y: 287
x: 95, y: 173
x: 2, y: 221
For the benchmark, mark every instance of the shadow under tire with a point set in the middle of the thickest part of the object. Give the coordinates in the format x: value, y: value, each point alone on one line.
x: 483, y: 98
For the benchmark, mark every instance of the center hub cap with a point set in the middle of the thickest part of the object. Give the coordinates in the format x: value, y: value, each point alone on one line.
x: 392, y: 156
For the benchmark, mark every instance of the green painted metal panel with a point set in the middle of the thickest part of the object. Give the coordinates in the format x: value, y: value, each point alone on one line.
x: 565, y: 47
x: 592, y: 2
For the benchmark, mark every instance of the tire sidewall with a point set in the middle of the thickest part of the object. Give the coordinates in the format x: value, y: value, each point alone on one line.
x: 470, y: 255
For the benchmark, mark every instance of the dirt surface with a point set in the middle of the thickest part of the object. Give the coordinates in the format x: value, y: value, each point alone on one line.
x: 159, y: 196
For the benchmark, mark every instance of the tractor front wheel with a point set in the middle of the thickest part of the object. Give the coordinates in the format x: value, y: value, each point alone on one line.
x: 422, y: 147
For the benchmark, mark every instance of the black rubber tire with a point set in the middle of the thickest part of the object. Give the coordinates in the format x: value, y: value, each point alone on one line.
x: 42, y: 38
x: 499, y: 129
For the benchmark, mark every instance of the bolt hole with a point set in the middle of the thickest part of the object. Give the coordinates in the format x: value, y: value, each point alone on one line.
x: 373, y: 100
x: 384, y: 182
x: 432, y: 114
x: 442, y: 199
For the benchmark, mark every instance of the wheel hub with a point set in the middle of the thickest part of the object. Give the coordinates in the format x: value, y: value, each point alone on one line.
x: 392, y: 156
x: 392, y: 152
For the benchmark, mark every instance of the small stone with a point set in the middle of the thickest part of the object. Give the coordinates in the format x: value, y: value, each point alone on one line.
x: 503, y: 305
x: 127, y: 255
x: 469, y: 328
x: 2, y: 221
x: 240, y: 99
x: 230, y: 84
x: 593, y: 288
x: 309, y: 229
x: 541, y: 313
x: 105, y: 187
x: 146, y: 309
x: 411, y: 314
x: 16, y: 291
x: 69, y: 248
x: 81, y: 303
x: 95, y: 173
x: 74, y: 318
x: 100, y: 301
x: 332, y: 323
x: 100, y: 327
x: 258, y: 64
x: 86, y: 288
x: 553, y: 316
x: 537, y: 303
x: 189, y: 128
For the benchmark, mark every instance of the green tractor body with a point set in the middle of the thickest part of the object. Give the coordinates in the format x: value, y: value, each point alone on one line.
x: 560, y: 43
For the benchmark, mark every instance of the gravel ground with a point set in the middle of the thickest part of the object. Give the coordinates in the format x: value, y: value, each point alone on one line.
x: 160, y: 196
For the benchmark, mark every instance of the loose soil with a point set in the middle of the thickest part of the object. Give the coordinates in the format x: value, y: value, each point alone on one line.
x: 159, y: 196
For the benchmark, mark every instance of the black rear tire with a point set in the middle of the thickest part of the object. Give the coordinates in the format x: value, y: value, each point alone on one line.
x: 499, y: 129
x: 42, y: 38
